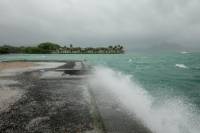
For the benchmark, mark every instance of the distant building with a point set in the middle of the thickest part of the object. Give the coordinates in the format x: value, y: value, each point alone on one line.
x: 118, y: 49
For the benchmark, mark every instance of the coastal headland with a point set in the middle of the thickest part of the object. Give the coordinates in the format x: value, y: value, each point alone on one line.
x: 48, y: 97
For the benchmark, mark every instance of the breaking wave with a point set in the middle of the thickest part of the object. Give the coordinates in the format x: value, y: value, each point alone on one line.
x: 171, y: 116
x: 181, y: 66
x: 184, y: 52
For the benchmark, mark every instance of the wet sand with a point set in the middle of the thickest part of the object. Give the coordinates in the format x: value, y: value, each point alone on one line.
x: 15, y: 65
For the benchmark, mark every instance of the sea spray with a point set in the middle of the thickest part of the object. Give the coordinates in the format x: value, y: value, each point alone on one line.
x: 172, y: 116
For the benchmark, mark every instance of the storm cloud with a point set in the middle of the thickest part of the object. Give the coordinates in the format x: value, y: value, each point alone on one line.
x: 136, y: 23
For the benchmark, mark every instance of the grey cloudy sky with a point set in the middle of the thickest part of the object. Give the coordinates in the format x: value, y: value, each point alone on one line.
x: 93, y: 22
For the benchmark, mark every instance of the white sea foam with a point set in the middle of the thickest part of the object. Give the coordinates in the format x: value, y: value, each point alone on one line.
x: 43, y: 56
x: 181, y: 66
x: 44, y: 65
x: 130, y: 60
x: 172, y: 116
x: 184, y: 52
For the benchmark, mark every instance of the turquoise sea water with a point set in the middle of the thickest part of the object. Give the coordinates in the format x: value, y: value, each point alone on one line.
x: 163, y: 76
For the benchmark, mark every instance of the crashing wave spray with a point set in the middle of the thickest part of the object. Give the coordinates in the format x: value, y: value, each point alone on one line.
x: 173, y: 116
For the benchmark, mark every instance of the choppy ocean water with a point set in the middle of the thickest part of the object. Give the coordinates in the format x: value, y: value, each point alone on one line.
x: 163, y: 89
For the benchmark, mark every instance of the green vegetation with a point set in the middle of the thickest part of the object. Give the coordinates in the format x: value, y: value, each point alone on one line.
x: 49, y: 48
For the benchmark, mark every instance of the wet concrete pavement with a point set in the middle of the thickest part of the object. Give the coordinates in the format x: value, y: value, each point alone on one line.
x: 57, y: 105
x: 55, y: 101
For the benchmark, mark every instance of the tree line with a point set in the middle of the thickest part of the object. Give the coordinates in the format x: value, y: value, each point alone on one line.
x: 45, y: 48
x: 49, y: 48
